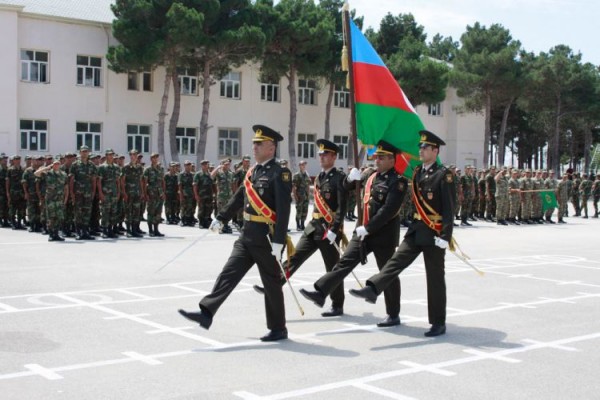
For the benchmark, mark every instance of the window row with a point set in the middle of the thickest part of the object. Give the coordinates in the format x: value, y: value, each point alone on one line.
x: 35, y: 137
x: 35, y: 68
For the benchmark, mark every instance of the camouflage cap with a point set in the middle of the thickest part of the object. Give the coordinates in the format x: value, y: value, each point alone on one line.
x: 49, y: 157
x: 187, y: 162
x: 246, y: 157
x: 154, y: 155
x: 204, y: 162
x: 93, y: 156
x: 109, y: 151
x: 84, y: 148
x: 133, y: 151
x: 15, y: 157
x: 3, y: 156
x: 40, y: 158
x: 56, y: 160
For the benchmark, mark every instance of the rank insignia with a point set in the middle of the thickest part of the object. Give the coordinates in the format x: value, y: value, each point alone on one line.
x: 430, y: 196
x: 449, y: 178
x: 285, y: 176
x: 400, y: 185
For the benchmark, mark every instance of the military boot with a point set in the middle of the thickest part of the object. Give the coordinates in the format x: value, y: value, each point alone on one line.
x: 156, y: 232
x: 298, y: 226
x: 135, y: 230
x: 138, y: 229
x: 151, y: 229
x: 105, y: 234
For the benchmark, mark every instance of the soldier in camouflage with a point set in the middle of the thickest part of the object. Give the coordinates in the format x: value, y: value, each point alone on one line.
x: 14, y: 193
x: 490, y: 194
x: 4, y: 220
x: 482, y: 194
x: 596, y: 195
x: 585, y: 192
x: 82, y: 187
x: 69, y: 219
x: 131, y: 188
x: 526, y: 185
x: 223, y: 178
x: 301, y: 193
x: 31, y: 196
x: 501, y: 197
x: 109, y: 193
x: 56, y: 197
x: 238, y: 179
x: 514, y: 197
x: 551, y: 184
x: 95, y: 214
x: 575, y: 194
x: 536, y: 201
x: 186, y: 195
x: 562, y: 196
x: 40, y: 188
x: 171, y: 196
x: 154, y: 194
x: 467, y: 186
x: 203, y: 193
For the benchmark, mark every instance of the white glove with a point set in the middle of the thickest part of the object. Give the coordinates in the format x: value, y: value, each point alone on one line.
x: 331, y: 236
x: 441, y: 243
x: 354, y: 175
x: 216, y: 226
x: 361, y: 232
x: 277, y: 250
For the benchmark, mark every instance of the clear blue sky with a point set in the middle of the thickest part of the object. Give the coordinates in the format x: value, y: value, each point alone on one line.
x: 538, y: 24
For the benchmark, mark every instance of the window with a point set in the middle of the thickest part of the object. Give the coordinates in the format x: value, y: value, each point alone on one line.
x: 306, y: 145
x: 435, y: 109
x: 188, y: 81
x: 229, y: 142
x: 186, y: 141
x: 34, y: 135
x: 341, y: 97
x: 342, y: 142
x: 133, y: 80
x: 269, y: 92
x: 89, y: 71
x: 34, y: 66
x: 230, y: 86
x: 138, y: 137
x: 307, y: 92
x: 88, y: 133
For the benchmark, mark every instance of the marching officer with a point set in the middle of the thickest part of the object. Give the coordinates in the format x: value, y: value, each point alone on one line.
x: 265, y: 197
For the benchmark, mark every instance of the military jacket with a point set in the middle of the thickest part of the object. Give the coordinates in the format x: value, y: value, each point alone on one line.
x: 596, y: 188
x: 186, y: 180
x: 3, y: 174
x: 330, y: 186
x: 301, y: 182
x: 83, y: 174
x: 585, y: 188
x: 467, y: 186
x: 132, y: 174
x: 14, y: 176
x: 273, y: 183
x: 490, y: 184
x: 29, y: 180
x: 224, y: 181
x: 109, y: 175
x: 55, y: 185
x: 154, y: 180
x: 171, y: 182
x: 435, y: 188
x: 205, y: 184
x: 563, y: 190
x: 550, y: 183
x: 513, y: 184
x: 502, y: 187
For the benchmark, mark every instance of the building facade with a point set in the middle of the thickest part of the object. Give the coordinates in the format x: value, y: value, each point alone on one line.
x: 57, y: 93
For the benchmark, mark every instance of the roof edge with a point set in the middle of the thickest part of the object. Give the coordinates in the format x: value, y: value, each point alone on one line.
x: 64, y: 19
x: 12, y: 7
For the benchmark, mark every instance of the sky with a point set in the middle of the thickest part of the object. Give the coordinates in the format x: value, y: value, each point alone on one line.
x: 538, y: 24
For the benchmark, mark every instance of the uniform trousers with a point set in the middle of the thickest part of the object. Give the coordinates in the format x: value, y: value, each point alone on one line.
x: 246, y: 252
x: 351, y: 258
x: 433, y: 256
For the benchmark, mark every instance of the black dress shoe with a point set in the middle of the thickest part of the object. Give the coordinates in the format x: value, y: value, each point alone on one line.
x: 203, y: 318
x: 436, y: 330
x: 389, y: 321
x: 314, y: 296
x: 258, y: 289
x: 366, y: 293
x: 274, y: 335
x: 333, y: 312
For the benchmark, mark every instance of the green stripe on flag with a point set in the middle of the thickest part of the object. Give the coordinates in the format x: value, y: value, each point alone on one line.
x: 548, y: 198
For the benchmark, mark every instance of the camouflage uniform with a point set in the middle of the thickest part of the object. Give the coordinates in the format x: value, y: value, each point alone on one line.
x: 475, y: 203
x: 224, y: 182
x: 563, y: 198
x: 482, y: 197
x: 301, y: 190
x: 131, y: 176
x: 596, y: 195
x: 83, y: 179
x: 536, y: 201
x: 3, y: 198
x: 186, y: 198
x: 33, y: 201
x: 109, y: 175
x: 501, y: 197
x: 467, y: 186
x: 171, y: 197
x: 14, y: 189
x: 575, y: 195
x: 204, y: 187
x: 550, y: 183
x: 490, y: 190
x: 154, y: 183
x: 514, y: 199
x: 56, y: 186
x: 585, y: 191
x: 525, y: 184
x: 69, y: 218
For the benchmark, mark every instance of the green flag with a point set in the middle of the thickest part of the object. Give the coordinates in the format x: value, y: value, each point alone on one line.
x: 548, y: 199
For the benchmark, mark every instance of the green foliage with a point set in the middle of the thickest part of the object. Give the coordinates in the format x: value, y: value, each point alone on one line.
x: 442, y: 48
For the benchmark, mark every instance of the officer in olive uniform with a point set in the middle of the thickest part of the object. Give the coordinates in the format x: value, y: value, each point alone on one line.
x: 262, y: 239
x: 325, y: 230
x: 203, y: 192
x: 379, y: 233
x: 430, y: 234
x: 300, y: 193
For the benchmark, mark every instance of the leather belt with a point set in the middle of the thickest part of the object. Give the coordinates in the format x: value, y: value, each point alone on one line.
x: 432, y: 218
x: 256, y: 218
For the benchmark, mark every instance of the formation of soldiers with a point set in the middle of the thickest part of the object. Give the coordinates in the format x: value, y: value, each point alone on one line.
x: 89, y: 195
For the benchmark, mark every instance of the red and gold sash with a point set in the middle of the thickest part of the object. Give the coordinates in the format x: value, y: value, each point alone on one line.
x: 367, y: 198
x: 418, y: 200
x: 255, y: 200
x: 322, y: 206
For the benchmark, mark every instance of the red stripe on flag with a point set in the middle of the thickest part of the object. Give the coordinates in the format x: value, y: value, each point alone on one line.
x: 375, y: 85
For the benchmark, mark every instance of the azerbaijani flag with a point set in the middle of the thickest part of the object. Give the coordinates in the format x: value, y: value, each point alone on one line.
x: 382, y: 109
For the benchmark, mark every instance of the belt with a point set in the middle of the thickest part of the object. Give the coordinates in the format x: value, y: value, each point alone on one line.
x: 256, y: 218
x: 432, y: 218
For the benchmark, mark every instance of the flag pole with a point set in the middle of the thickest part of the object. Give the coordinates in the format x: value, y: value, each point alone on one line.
x: 348, y: 45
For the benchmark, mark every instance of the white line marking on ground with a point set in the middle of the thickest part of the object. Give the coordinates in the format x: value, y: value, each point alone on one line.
x: 41, y: 371
x: 415, y: 367
x: 134, y: 294
x: 491, y: 356
x: 550, y: 345
x: 140, y: 357
x: 122, y: 317
x: 382, y: 392
x: 6, y: 307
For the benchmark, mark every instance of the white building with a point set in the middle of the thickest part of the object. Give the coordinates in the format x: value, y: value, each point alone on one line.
x: 56, y: 93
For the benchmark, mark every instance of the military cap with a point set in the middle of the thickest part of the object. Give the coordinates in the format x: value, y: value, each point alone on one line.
x: 84, y: 148
x: 551, y: 171
x: 452, y: 166
x: 121, y: 156
x: 69, y: 154
x: 109, y: 151
x: 384, y: 148
x: 492, y: 167
x: 173, y: 164
x: 3, y: 156
x: 283, y: 162
x: 204, y: 162
x: 527, y: 170
x: 95, y: 155
x: 246, y: 157
x: 15, y: 157
x: 27, y: 157
x: 133, y: 151
x: 154, y: 155
x: 39, y: 158
x: 187, y: 162
x: 302, y: 162
x: 430, y: 139
x: 263, y: 133
x: 56, y: 160
x: 49, y: 157
x: 327, y: 146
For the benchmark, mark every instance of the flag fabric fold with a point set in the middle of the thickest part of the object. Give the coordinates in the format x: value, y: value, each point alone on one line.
x: 383, y: 112
x: 548, y: 198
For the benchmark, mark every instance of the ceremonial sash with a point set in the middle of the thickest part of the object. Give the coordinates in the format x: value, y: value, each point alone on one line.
x: 255, y: 200
x: 367, y: 198
x: 437, y: 227
x: 322, y: 206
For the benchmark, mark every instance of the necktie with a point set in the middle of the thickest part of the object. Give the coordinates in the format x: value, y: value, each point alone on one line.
x: 257, y: 169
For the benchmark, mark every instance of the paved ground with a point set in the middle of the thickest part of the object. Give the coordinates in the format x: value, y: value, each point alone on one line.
x: 98, y: 320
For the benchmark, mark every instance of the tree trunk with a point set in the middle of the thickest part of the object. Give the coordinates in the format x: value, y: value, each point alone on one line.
x: 502, y: 134
x: 174, y: 116
x: 488, y: 130
x: 293, y: 111
x: 587, y: 146
x: 554, y: 157
x: 328, y: 111
x: 201, y: 146
x: 162, y: 115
